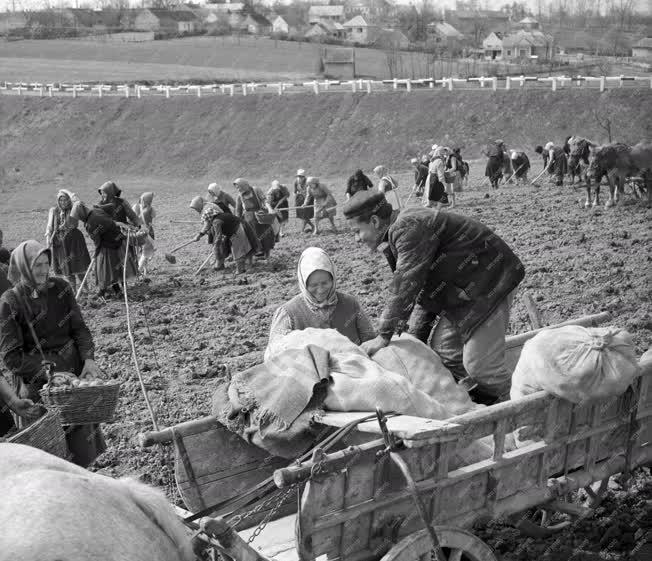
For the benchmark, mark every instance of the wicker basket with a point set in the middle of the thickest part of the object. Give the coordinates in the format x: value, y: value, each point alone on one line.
x: 83, y: 405
x: 266, y: 217
x: 46, y: 434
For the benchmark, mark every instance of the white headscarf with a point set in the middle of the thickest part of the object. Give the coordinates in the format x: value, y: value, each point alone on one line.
x: 316, y: 259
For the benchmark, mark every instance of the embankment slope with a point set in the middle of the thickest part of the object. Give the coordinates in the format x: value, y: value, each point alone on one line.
x: 260, y: 136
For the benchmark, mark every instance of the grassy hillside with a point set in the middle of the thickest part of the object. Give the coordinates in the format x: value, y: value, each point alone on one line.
x: 260, y: 136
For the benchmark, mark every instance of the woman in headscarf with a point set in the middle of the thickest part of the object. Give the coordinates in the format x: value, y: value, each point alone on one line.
x: 227, y: 233
x: 144, y: 209
x: 323, y: 201
x: 300, y: 193
x: 41, y: 321
x: 110, y: 248
x: 69, y: 253
x: 115, y: 206
x: 319, y: 304
x: 357, y: 182
x: 388, y: 185
x: 494, y: 169
x: 434, y: 195
x: 121, y: 212
x: 277, y: 200
x: 251, y: 200
x: 220, y: 198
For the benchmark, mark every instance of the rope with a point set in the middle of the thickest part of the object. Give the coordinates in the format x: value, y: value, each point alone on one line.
x: 131, y: 335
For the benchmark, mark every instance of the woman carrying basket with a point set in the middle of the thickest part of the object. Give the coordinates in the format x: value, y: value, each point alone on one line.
x: 251, y: 200
x: 40, y: 321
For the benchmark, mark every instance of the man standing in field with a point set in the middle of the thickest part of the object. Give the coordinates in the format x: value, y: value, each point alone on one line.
x: 447, y: 266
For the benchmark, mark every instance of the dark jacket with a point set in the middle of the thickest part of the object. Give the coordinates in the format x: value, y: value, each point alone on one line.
x: 358, y: 182
x: 449, y: 264
x: 59, y: 325
x: 420, y: 176
x: 103, y: 230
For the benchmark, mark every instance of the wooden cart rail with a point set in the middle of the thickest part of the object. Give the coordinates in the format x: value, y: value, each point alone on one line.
x: 358, y: 506
x: 212, y: 464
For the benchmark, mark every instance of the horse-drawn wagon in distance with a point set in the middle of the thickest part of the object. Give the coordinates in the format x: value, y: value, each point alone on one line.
x: 400, y: 488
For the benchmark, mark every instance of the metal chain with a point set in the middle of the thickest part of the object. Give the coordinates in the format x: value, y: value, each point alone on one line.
x: 240, y: 517
x: 271, y: 513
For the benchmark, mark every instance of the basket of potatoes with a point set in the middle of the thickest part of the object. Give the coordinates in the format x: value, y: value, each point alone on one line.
x: 81, y: 401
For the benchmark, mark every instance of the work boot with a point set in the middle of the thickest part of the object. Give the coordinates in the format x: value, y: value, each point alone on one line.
x: 240, y: 267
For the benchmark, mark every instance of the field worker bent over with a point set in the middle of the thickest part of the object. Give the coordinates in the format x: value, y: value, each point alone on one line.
x: 449, y: 266
x: 228, y: 234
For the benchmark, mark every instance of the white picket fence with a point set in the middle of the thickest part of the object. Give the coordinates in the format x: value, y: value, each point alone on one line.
x: 318, y: 87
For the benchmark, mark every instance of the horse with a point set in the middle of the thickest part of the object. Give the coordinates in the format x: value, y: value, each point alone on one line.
x: 52, y: 509
x: 613, y: 161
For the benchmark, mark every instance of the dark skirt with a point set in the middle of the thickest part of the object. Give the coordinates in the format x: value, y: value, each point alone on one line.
x: 303, y: 213
x: 108, y: 266
x: 263, y: 233
x: 70, y: 255
x: 437, y: 192
x: 283, y: 215
x: 494, y: 169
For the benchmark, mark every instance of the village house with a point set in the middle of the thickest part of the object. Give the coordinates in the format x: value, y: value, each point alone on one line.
x: 166, y: 21
x: 359, y: 30
x: 529, y: 24
x: 528, y: 44
x: 372, y: 9
x: 642, y: 50
x: 231, y: 12
x: 321, y: 13
x: 492, y: 46
x: 12, y: 21
x: 256, y: 24
x: 469, y: 22
x: 390, y: 39
x: 443, y: 34
x: 326, y: 28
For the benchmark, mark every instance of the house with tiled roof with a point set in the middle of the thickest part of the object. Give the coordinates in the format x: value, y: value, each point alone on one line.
x: 332, y: 13
x: 643, y: 49
x: 390, y: 39
x: 166, y: 21
x: 528, y: 44
x: 359, y: 30
x: 492, y: 45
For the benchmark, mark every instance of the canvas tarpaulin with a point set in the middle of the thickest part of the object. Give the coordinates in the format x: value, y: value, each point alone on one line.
x: 272, y: 405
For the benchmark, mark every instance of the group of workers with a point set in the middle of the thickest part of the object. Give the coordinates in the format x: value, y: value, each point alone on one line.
x: 515, y: 164
x: 453, y: 278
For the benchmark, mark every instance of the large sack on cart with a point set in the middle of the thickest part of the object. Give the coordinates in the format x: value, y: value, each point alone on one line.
x: 576, y: 363
x: 273, y: 405
x: 52, y: 509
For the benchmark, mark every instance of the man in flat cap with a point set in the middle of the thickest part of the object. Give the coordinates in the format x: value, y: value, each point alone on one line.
x: 448, y: 266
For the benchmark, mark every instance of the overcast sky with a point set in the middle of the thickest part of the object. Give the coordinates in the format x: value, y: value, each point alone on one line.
x: 495, y: 4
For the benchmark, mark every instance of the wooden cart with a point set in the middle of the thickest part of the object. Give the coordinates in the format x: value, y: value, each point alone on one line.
x: 388, y: 491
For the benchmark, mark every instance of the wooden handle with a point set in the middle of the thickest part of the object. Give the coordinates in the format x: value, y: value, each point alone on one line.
x: 149, y: 438
x: 182, y: 245
x: 285, y: 477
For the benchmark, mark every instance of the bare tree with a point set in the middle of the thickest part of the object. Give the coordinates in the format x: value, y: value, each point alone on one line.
x: 604, y: 122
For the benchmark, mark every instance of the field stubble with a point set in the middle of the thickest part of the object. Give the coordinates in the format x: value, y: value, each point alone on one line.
x: 192, y: 330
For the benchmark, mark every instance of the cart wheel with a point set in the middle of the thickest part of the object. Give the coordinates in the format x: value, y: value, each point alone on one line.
x: 457, y: 544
